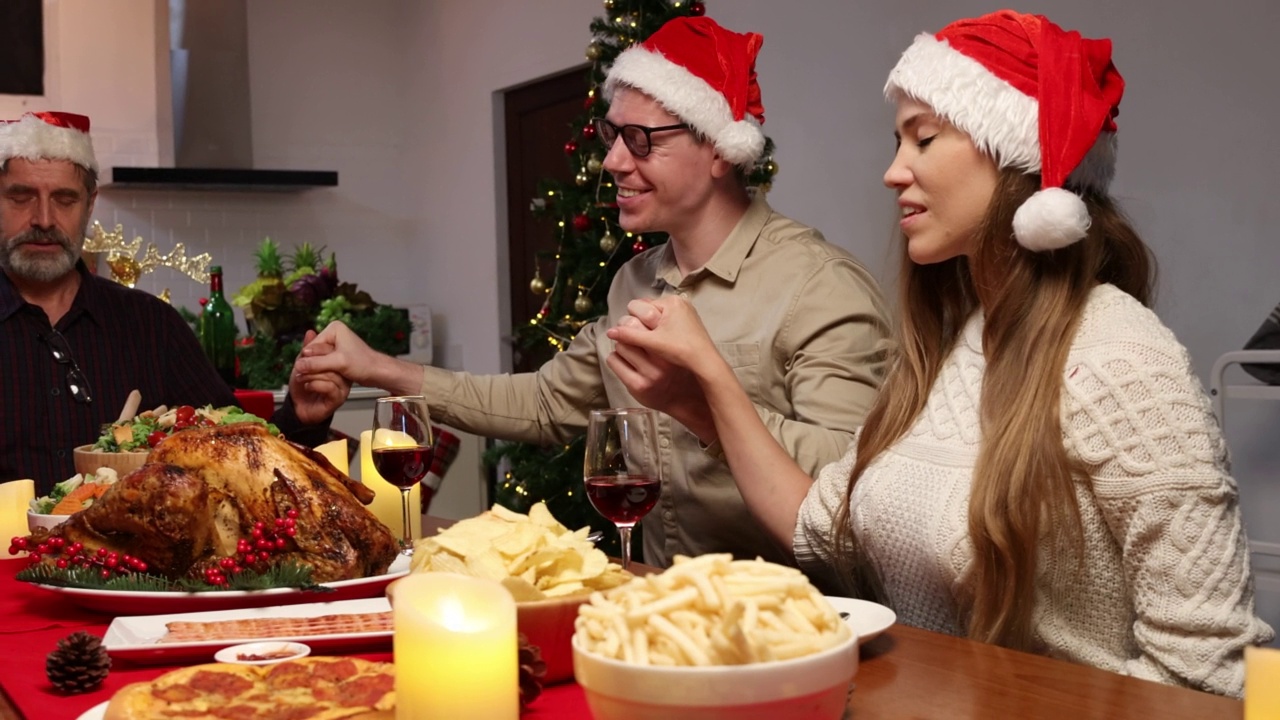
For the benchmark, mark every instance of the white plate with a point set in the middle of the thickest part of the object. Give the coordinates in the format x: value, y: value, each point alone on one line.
x: 97, y: 712
x: 866, y: 618
x: 138, y: 638
x: 130, y: 602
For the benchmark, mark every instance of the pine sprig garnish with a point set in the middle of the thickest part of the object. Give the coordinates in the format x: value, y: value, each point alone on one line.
x: 284, y: 575
x: 89, y: 578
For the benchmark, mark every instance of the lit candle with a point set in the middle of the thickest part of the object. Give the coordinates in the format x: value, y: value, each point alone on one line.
x: 455, y: 648
x: 15, y: 500
x: 386, y: 497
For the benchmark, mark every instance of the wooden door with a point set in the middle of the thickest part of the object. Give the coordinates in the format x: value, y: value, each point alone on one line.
x: 537, y: 118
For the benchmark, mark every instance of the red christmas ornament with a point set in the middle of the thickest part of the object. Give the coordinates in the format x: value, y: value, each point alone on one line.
x: 590, y: 101
x: 581, y: 223
x: 589, y: 131
x: 571, y: 147
x: 698, y: 9
x: 638, y: 247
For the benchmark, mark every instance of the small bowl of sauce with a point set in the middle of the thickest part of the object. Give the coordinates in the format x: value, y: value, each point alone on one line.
x: 262, y: 653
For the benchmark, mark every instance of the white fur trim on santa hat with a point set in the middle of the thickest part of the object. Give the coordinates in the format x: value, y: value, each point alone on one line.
x: 1002, y: 122
x: 34, y: 139
x: 689, y: 98
x: 1050, y: 219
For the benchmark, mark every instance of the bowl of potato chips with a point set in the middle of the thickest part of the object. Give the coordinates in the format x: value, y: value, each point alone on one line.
x: 711, y: 638
x: 549, y: 569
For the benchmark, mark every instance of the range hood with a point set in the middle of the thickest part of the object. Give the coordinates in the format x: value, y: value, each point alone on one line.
x: 212, y: 129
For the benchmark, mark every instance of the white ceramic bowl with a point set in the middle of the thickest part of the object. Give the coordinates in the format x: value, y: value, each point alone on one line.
x: 262, y: 653
x: 812, y: 687
x: 38, y: 520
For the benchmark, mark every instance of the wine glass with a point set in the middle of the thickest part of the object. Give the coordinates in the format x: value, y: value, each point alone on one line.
x: 622, y: 470
x: 402, y: 447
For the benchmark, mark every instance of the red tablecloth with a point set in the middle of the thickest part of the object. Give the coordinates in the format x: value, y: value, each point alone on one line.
x: 33, y: 620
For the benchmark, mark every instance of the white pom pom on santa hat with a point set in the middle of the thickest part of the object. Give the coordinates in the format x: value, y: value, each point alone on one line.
x: 1050, y: 219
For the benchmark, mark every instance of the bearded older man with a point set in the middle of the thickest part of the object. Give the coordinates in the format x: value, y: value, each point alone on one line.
x: 74, y: 345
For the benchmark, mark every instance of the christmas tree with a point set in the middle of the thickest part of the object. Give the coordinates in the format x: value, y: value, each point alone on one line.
x: 591, y: 248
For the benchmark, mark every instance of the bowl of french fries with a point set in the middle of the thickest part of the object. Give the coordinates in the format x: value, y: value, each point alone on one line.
x: 713, y: 637
x: 549, y: 569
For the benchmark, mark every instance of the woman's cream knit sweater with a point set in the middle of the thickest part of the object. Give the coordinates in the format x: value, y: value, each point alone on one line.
x: 1164, y: 592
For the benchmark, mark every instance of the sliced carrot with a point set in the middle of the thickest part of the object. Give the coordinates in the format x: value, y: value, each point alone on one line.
x: 74, y: 501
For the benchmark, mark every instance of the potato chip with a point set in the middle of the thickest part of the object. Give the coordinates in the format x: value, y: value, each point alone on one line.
x: 533, y: 556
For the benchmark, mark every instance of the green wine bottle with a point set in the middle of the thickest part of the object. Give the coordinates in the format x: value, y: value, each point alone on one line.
x: 218, y: 329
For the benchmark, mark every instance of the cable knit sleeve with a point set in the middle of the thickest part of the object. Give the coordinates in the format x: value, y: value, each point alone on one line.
x: 1138, y: 418
x: 814, y: 541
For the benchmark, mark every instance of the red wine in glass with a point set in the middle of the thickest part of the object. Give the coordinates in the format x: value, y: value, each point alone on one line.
x: 402, y: 467
x: 402, y: 449
x: 622, y: 470
x: 623, y: 499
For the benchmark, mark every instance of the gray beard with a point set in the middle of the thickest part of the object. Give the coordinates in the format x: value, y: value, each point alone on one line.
x: 39, y: 268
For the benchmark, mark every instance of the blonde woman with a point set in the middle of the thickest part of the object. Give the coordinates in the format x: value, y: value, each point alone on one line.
x: 1041, y: 469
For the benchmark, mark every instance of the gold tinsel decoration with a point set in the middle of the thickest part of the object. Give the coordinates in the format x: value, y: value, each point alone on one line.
x: 126, y: 268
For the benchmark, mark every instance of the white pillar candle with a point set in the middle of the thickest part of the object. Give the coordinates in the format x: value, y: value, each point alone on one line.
x: 335, y: 452
x: 455, y: 646
x: 15, y: 500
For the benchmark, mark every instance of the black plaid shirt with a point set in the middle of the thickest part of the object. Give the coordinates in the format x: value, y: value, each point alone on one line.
x: 121, y: 339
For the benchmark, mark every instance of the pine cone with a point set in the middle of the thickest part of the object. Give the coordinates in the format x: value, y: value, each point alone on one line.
x: 532, y: 670
x: 80, y: 663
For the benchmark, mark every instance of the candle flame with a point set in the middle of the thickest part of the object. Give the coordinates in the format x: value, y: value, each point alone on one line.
x: 454, y: 616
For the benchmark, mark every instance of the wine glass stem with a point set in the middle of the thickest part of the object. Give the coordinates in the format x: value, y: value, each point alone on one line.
x: 624, y: 537
x: 408, y: 528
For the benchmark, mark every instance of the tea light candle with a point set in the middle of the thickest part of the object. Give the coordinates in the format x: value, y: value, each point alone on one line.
x: 15, y: 499
x: 386, y: 497
x: 455, y: 648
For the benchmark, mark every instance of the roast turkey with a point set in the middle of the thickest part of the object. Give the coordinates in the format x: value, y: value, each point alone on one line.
x: 203, y: 489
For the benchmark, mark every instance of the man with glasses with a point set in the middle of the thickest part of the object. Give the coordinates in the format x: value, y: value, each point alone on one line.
x: 800, y: 320
x: 74, y: 345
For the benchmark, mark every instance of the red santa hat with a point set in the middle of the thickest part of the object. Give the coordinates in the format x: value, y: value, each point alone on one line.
x: 706, y: 76
x: 48, y: 136
x: 1032, y: 96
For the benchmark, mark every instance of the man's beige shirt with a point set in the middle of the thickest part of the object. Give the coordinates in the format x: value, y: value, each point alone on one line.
x: 803, y: 325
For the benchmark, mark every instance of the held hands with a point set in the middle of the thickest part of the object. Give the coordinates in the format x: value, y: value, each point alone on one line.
x: 317, y: 395
x: 655, y: 349
x: 337, y: 351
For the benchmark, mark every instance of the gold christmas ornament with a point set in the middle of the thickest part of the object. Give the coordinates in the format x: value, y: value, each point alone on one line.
x: 126, y: 268
x: 608, y: 242
x: 582, y: 304
x: 608, y: 4
x: 765, y: 187
x: 771, y: 167
x: 594, y: 164
x: 593, y: 51
x: 537, y: 285
x: 582, y: 178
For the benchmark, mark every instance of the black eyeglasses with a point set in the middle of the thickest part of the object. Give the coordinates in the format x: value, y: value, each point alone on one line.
x: 637, y: 138
x: 76, y: 381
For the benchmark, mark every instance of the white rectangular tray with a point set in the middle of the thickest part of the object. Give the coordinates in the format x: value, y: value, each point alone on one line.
x: 138, y: 638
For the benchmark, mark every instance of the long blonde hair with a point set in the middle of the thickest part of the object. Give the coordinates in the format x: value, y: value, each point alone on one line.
x: 1023, y: 485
